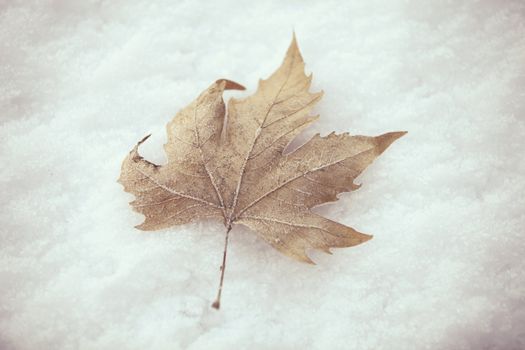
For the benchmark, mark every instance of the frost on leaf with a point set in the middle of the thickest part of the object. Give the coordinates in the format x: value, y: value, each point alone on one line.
x: 241, y: 175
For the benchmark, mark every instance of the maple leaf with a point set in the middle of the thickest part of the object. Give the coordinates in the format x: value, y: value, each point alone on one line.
x: 235, y: 169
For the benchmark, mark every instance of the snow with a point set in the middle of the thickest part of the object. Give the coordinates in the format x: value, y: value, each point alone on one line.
x: 82, y: 81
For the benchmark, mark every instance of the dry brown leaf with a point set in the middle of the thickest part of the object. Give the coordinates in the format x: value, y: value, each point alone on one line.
x: 236, y: 169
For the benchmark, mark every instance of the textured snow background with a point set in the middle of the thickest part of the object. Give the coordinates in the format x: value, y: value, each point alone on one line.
x: 82, y: 81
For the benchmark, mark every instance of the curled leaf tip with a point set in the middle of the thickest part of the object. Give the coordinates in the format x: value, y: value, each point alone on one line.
x: 144, y: 139
x: 230, y: 85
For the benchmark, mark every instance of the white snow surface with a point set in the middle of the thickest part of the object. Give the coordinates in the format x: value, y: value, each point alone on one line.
x: 82, y: 81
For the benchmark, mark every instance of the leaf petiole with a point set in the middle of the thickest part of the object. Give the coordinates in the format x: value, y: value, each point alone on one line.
x: 217, y: 303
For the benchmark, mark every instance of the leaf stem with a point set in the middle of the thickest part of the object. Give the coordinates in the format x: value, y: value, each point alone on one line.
x: 217, y: 303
